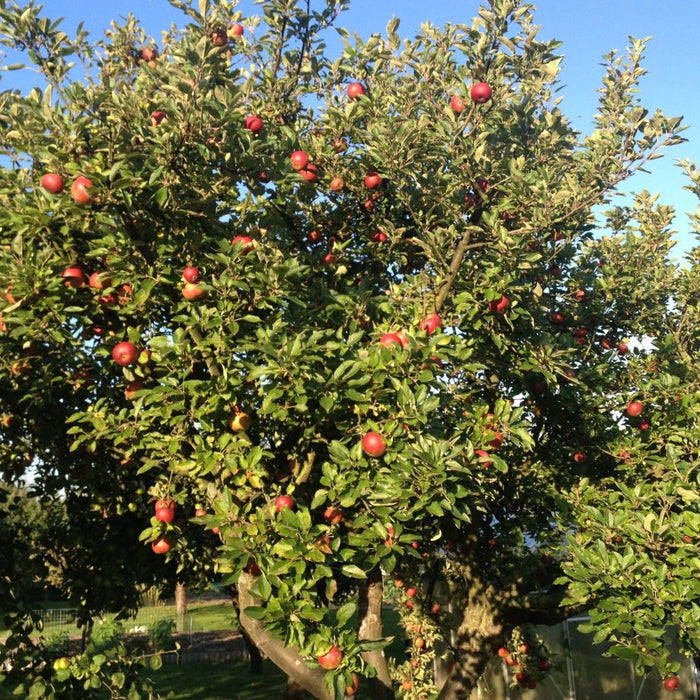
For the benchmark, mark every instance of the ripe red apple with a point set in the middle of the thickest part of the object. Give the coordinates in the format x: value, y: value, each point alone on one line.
x: 125, y: 353
x: 430, y: 324
x: 165, y: 511
x: 500, y: 305
x: 351, y: 690
x: 644, y: 426
x: 331, y: 659
x: 192, y: 292
x: 161, y: 545
x: 200, y: 512
x: 355, y: 90
x: 309, y: 173
x: 484, y: 456
x: 219, y: 37
x: 246, y: 243
x: 100, y: 280
x: 53, y: 183
x: 672, y: 682
x: 148, y: 54
x: 73, y: 277
x: 157, y: 117
x: 481, y: 92
x: 79, y: 190
x: 372, y: 180
x: 191, y: 274
x: 389, y: 339
x: 622, y: 349
x: 411, y: 592
x: 557, y: 317
x: 236, y: 29
x: 329, y: 259
x: 314, y: 236
x: 299, y: 160
x: 457, y: 104
x: 282, y: 502
x: 373, y: 444
x: 634, y: 408
x: 379, y: 237
x: 253, y: 123
x: 333, y: 515
x: 580, y: 456
x: 337, y: 184
x: 132, y: 388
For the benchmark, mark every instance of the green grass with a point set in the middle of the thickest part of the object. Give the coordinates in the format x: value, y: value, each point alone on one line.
x: 222, y: 681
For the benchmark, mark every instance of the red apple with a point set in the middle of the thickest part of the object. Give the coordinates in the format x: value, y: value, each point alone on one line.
x: 340, y: 145
x: 299, y: 160
x: 389, y: 339
x: 484, y: 457
x: 672, y: 682
x: 246, y: 243
x: 337, y: 184
x: 430, y: 324
x: 157, y: 117
x: 373, y: 444
x: 411, y: 592
x: 192, y: 292
x: 500, y: 305
x: 331, y: 659
x: 481, y: 92
x: 73, y: 276
x: 100, y: 280
x: 580, y: 456
x: 351, y: 690
x: 355, y: 90
x: 148, y: 54
x: 557, y: 317
x: 314, y: 236
x: 329, y: 259
x: 333, y: 515
x: 253, y: 123
x: 282, y: 502
x: 200, y: 512
x: 125, y: 353
x: 457, y: 104
x: 372, y: 180
x: 634, y: 408
x: 309, y: 173
x: 379, y: 237
x: 622, y: 349
x: 219, y: 37
x: 165, y: 511
x: 53, y: 183
x: 191, y: 274
x: 236, y: 29
x: 132, y: 388
x: 161, y: 545
x: 79, y: 190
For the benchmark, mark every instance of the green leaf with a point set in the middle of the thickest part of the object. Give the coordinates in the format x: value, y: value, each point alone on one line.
x: 353, y: 571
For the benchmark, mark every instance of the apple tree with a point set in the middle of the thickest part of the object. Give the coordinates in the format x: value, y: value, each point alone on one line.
x: 361, y: 316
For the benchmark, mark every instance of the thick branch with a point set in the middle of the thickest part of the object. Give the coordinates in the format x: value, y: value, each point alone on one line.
x: 286, y: 658
x: 449, y: 280
x: 371, y: 595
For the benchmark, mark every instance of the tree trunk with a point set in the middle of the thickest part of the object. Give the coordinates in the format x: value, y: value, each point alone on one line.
x: 286, y: 658
x: 477, y: 637
x: 371, y: 595
x: 180, y: 605
x: 256, y: 658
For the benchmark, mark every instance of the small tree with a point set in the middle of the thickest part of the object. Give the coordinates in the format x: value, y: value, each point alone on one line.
x: 357, y: 315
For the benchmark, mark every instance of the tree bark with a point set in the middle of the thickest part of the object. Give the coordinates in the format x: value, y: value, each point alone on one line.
x: 256, y: 658
x: 371, y: 595
x: 286, y: 658
x: 180, y: 605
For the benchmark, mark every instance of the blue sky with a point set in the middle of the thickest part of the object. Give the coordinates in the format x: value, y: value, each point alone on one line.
x: 588, y: 28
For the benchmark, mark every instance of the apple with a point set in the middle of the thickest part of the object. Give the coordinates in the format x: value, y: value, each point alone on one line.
x: 125, y: 293
x: 580, y: 456
x: 351, y: 690
x: 253, y: 123
x: 337, y: 184
x: 299, y: 160
x: 191, y: 274
x: 430, y: 324
x: 372, y: 180
x: 61, y: 664
x: 165, y: 511
x: 132, y: 388
x: 557, y: 317
x: 200, y: 512
x: 644, y: 426
x: 379, y: 237
x: 634, y: 408
x: 436, y: 609
x: 219, y: 37
x: 355, y: 90
x: 403, y: 339
x: 125, y: 353
x: 314, y: 236
x: 500, y: 305
x: 580, y: 336
x: 503, y: 652
x: 389, y: 339
x: 157, y: 117
x: 161, y: 545
x: 457, y: 104
x: 481, y: 92
x: 622, y: 349
x: 328, y: 259
x: 149, y: 54
x: 333, y: 515
x: 580, y: 295
x: 522, y: 677
x: 340, y: 145
x: 411, y: 592
x: 282, y: 502
x: 373, y: 444
x: 239, y: 421
x: 53, y: 183
x: 309, y: 173
x: 74, y: 277
x: 484, y: 457
x: 99, y: 280
x: 672, y: 682
x: 192, y: 292
x: 331, y: 659
x: 524, y: 649
x: 246, y: 243
x: 79, y: 190
x: 236, y: 29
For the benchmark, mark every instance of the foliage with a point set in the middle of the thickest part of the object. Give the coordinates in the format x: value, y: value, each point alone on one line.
x: 510, y: 467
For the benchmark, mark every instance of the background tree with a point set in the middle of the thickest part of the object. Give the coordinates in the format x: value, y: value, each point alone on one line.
x: 358, y: 316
